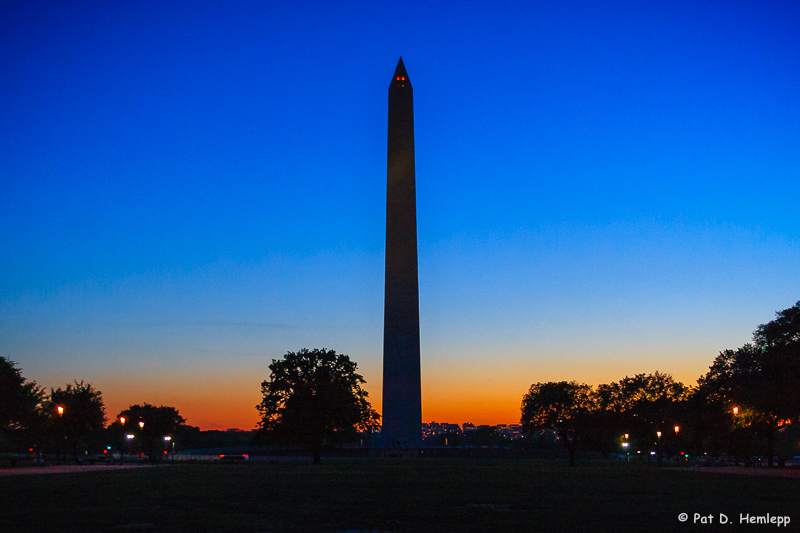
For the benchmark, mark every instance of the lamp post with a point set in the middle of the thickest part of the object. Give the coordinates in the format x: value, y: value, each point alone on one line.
x: 735, y: 454
x: 130, y: 438
x: 677, y: 452
x: 122, y: 451
x: 145, y: 445
x: 625, y: 447
x: 658, y: 446
x: 60, y: 425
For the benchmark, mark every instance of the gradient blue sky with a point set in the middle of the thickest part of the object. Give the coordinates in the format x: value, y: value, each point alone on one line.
x: 191, y: 189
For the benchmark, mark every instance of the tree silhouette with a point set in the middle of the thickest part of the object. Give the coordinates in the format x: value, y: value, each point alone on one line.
x: 315, y: 397
x: 641, y: 406
x: 564, y: 406
x: 150, y: 424
x: 760, y: 379
x: 76, y: 413
x: 21, y: 414
x: 779, y: 341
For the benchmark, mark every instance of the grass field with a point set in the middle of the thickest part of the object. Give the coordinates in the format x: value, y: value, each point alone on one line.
x: 458, y: 495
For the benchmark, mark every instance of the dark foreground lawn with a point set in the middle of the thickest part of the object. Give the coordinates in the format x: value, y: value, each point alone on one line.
x: 458, y: 495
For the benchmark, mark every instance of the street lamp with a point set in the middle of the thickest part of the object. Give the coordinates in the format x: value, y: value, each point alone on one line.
x: 735, y: 455
x: 658, y: 445
x: 122, y: 420
x: 167, y: 440
x: 60, y: 410
x: 122, y: 455
x: 141, y: 425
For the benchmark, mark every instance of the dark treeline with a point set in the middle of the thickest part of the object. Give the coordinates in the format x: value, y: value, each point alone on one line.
x: 747, y: 404
x: 70, y: 422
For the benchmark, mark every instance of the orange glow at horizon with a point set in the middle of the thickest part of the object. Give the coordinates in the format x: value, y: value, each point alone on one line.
x: 478, y: 392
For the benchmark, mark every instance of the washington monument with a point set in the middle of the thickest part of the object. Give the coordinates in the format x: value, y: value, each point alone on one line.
x: 402, y: 394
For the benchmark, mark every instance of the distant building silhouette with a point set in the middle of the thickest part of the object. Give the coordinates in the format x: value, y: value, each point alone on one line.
x: 401, y: 432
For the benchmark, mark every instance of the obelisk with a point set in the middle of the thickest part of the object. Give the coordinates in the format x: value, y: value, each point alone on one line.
x: 401, y: 430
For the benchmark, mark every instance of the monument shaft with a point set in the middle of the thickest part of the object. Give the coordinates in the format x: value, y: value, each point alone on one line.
x: 402, y: 392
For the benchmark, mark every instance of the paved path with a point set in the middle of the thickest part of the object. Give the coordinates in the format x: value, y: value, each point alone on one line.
x: 63, y: 469
x: 747, y: 470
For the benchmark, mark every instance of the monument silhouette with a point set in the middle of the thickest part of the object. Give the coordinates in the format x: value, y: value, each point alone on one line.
x: 401, y: 430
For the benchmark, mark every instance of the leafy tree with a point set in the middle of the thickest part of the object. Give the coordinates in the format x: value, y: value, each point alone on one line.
x: 641, y: 391
x: 760, y: 378
x: 314, y: 397
x: 76, y: 414
x: 642, y: 405
x: 779, y: 341
x: 20, y: 403
x: 564, y: 406
x: 150, y: 424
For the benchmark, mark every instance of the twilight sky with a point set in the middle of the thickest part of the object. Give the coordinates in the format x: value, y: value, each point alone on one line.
x: 189, y: 190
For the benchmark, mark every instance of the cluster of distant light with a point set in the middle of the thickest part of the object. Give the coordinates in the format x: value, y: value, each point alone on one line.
x: 509, y: 431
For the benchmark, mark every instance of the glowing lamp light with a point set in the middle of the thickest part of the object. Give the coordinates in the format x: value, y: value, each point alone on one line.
x: 624, y: 444
x: 60, y: 410
x: 626, y: 435
x: 677, y: 429
x: 658, y: 434
x: 735, y: 411
x: 122, y: 420
x: 129, y: 436
x: 168, y: 438
x: 141, y: 425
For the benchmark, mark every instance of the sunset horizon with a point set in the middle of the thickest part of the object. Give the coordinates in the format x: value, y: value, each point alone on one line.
x: 187, y: 194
